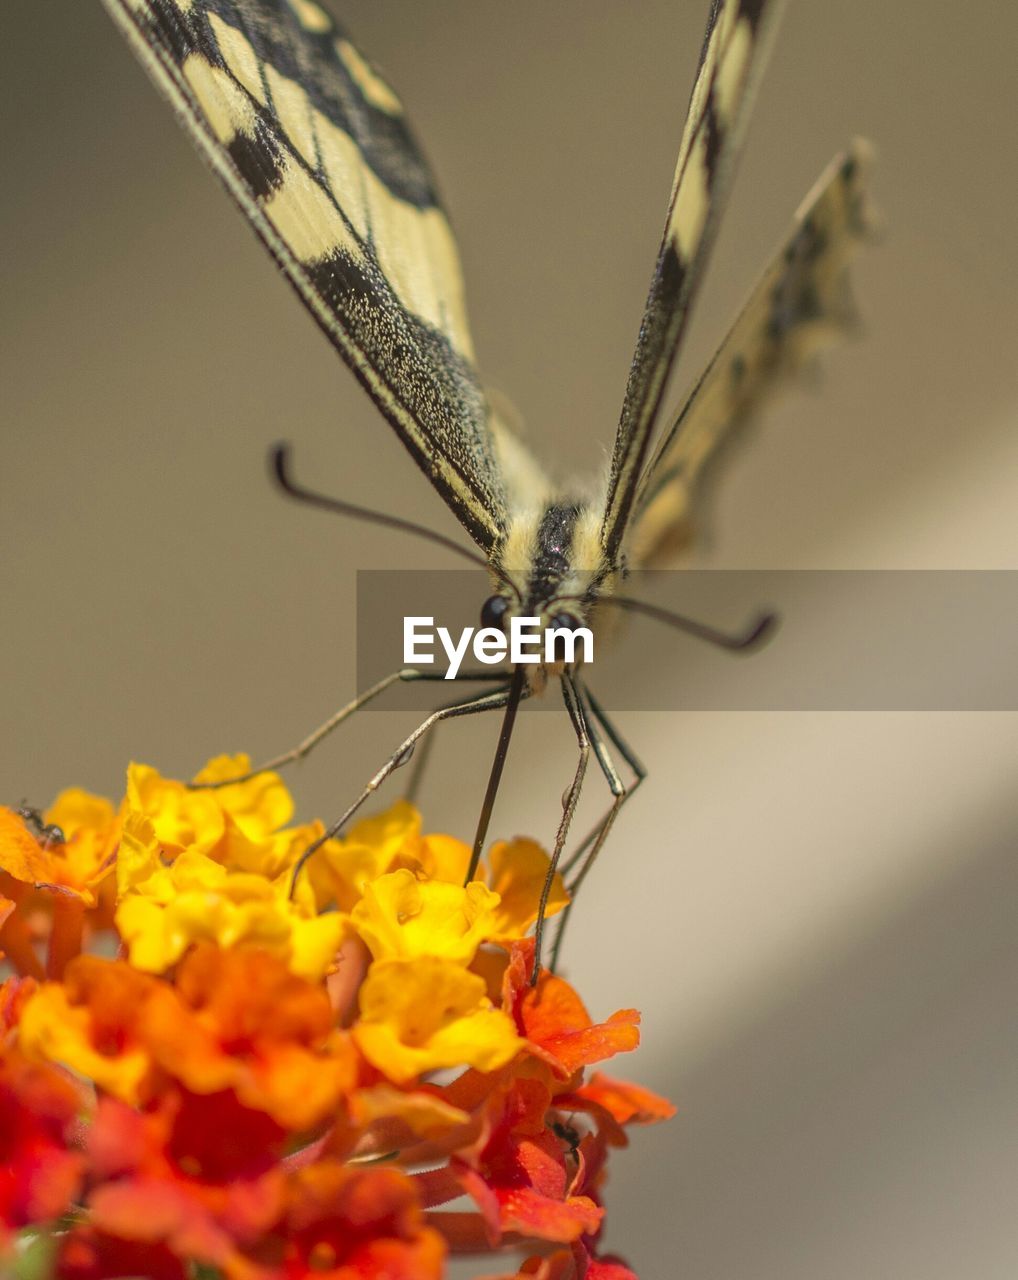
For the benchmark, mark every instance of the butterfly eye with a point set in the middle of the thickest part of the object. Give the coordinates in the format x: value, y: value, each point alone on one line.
x: 493, y: 612
x: 561, y: 622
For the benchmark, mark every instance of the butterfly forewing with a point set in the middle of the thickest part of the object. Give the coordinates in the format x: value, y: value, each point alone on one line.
x: 801, y: 301
x: 730, y: 62
x: 311, y: 142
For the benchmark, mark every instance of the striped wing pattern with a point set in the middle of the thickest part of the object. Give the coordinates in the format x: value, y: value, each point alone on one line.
x: 801, y: 302
x: 311, y: 142
x: 730, y: 63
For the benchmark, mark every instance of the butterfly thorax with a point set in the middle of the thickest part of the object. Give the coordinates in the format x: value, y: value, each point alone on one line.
x: 550, y: 566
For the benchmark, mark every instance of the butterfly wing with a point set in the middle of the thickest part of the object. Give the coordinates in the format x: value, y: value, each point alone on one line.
x: 730, y: 62
x: 801, y: 302
x: 312, y: 143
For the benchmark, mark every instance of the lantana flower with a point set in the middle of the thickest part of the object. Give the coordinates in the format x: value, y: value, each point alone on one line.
x: 210, y: 1067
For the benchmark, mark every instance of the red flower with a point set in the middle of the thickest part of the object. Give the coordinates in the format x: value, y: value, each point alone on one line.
x: 197, y: 1176
x: 613, y: 1103
x: 519, y: 1176
x: 39, y: 1174
x: 344, y: 1223
x: 87, y: 1254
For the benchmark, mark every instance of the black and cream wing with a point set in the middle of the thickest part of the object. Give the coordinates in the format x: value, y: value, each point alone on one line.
x: 312, y: 143
x: 801, y: 302
x: 730, y: 63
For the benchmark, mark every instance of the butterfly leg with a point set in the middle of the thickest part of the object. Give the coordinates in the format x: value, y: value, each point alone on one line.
x: 599, y: 727
x: 407, y: 675
x: 485, y: 701
x: 578, y: 717
x: 423, y: 753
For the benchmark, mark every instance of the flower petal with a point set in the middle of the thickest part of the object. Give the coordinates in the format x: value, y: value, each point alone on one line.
x: 555, y: 1021
x: 518, y: 869
x: 400, y: 915
x: 420, y: 1015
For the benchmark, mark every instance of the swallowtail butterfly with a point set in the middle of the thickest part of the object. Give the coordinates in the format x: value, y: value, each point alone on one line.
x: 311, y: 142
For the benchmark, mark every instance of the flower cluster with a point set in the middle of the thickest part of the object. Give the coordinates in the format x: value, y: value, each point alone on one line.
x: 208, y: 1069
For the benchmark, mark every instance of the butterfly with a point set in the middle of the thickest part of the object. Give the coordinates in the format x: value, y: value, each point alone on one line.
x: 311, y: 141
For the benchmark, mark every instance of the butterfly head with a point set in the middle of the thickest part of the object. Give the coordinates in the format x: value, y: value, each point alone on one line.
x: 551, y: 567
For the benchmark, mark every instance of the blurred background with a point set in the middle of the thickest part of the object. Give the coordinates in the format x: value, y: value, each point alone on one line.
x: 814, y: 911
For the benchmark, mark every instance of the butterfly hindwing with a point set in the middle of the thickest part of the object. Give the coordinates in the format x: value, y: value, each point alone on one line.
x: 312, y: 143
x: 730, y: 62
x: 801, y: 302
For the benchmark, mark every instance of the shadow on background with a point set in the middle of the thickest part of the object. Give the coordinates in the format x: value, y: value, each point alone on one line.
x: 866, y: 1123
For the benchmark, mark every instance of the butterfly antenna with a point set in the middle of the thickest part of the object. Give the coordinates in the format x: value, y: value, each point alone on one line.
x: 753, y: 637
x: 279, y: 459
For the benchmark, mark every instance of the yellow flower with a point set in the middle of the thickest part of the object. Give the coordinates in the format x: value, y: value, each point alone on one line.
x: 164, y: 908
x: 445, y: 858
x: 400, y: 915
x: 422, y: 1115
x: 517, y: 871
x: 341, y: 868
x: 255, y: 812
x: 241, y: 826
x: 422, y: 1014
x: 180, y: 818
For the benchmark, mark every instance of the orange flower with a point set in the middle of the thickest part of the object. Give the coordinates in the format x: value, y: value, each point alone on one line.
x: 234, y: 1020
x: 61, y: 869
x: 91, y: 1023
x: 556, y: 1023
x: 13, y: 995
x: 73, y: 865
x: 241, y: 1020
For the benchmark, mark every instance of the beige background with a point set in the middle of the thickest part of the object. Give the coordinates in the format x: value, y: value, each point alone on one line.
x: 815, y: 912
